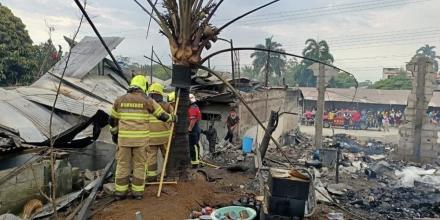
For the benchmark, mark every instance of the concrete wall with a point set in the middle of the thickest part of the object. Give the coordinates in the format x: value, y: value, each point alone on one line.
x: 26, y: 185
x: 263, y: 103
x: 219, y: 125
x: 18, y: 190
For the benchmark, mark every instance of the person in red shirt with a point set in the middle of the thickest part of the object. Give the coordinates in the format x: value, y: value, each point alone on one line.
x: 194, y: 116
x: 309, y: 117
x: 356, y: 118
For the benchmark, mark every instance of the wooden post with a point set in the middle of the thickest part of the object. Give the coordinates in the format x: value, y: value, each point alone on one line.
x: 167, y: 150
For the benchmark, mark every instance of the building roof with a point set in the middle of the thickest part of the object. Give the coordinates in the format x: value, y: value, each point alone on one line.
x: 85, y: 56
x: 84, y: 91
x: 363, y: 95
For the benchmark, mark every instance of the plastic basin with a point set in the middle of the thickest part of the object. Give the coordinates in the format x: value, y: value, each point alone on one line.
x: 237, y: 209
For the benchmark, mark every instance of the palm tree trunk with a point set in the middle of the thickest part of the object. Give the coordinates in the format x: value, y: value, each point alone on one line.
x: 179, y: 158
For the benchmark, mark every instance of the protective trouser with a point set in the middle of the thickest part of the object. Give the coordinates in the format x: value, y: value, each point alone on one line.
x: 194, y: 148
x: 152, y: 151
x: 229, y: 136
x: 130, y: 160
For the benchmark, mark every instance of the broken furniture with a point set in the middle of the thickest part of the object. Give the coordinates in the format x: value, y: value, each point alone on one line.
x: 286, y: 194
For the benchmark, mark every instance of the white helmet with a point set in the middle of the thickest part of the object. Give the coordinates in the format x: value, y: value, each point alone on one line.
x: 192, y: 98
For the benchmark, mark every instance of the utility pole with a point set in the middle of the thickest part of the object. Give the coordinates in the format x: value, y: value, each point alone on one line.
x: 324, y: 74
x: 232, y: 59
x: 232, y: 62
x: 320, y: 106
x: 266, y: 77
x: 151, y: 66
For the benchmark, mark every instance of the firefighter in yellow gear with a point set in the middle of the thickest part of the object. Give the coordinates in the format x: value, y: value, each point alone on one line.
x: 129, y: 125
x: 159, y: 132
x: 171, y: 98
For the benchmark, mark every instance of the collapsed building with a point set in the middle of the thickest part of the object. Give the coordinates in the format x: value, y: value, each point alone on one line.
x: 215, y: 100
x: 88, y: 85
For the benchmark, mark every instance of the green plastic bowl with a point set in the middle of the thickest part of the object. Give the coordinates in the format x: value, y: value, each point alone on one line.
x: 236, y: 209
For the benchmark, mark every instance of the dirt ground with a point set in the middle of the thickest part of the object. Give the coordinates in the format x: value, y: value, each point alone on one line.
x: 177, y: 201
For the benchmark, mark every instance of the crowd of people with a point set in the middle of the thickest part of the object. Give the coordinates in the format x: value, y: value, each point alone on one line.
x: 434, y: 117
x: 360, y: 119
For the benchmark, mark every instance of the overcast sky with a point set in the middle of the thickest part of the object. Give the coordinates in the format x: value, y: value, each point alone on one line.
x: 364, y: 35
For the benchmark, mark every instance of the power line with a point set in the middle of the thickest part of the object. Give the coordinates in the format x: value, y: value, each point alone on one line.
x: 276, y: 17
x: 376, y: 36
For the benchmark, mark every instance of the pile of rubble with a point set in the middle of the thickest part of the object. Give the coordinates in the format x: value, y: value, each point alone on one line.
x: 374, y: 183
x: 369, y: 181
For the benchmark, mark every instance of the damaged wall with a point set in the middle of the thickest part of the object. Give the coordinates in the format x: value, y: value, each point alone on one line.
x: 263, y: 103
x: 418, y: 137
x: 19, y: 189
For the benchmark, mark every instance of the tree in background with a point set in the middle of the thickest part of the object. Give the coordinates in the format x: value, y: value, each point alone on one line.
x: 365, y: 84
x: 342, y: 80
x: 314, y: 50
x: 401, y: 81
x: 158, y: 71
x: 277, y: 61
x: 21, y: 62
x: 428, y: 51
x: 46, y: 56
x: 250, y: 72
x: 16, y: 63
x: 292, y: 67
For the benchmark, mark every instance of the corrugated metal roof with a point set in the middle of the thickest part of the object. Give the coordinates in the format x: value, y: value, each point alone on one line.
x: 362, y: 95
x: 85, y: 56
x: 50, y: 83
x: 47, y: 97
x: 30, y: 119
x: 83, y: 92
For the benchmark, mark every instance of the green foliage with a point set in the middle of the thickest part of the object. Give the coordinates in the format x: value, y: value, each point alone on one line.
x: 277, y: 61
x: 314, y: 50
x: 401, y: 81
x: 366, y: 83
x: 46, y: 56
x: 428, y: 51
x: 16, y: 50
x: 20, y: 61
x: 342, y: 80
x: 292, y: 67
x: 158, y: 70
x: 250, y: 72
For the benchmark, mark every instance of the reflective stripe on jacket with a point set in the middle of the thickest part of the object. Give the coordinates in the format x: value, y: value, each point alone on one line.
x: 159, y: 130
x: 133, y: 112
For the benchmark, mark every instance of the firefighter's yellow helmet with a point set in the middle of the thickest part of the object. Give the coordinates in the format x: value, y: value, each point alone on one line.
x: 140, y: 82
x: 156, y: 88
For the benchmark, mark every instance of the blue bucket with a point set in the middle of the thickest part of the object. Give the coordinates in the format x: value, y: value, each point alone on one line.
x: 247, y: 144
